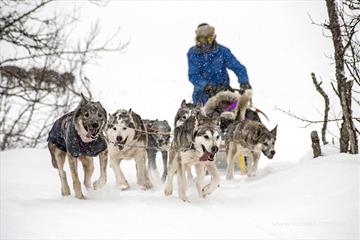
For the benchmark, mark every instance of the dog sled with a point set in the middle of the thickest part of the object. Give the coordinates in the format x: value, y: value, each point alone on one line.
x: 230, y: 105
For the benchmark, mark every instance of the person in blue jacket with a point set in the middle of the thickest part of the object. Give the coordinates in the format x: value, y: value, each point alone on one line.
x: 208, y: 62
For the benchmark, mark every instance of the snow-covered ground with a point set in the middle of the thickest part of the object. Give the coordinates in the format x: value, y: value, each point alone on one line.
x: 313, y: 199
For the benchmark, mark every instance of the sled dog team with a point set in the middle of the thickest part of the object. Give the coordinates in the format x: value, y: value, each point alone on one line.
x: 89, y: 131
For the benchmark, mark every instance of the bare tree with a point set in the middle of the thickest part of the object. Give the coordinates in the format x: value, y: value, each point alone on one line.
x: 32, y: 97
x: 343, y: 24
x: 348, y: 138
x: 326, y: 107
x: 350, y: 18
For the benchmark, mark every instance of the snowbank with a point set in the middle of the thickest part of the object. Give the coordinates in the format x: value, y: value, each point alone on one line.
x: 315, y: 198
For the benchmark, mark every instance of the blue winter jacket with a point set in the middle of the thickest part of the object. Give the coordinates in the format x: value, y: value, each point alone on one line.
x: 210, y: 67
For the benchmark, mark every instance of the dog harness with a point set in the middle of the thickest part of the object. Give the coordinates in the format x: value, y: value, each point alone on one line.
x: 65, y: 137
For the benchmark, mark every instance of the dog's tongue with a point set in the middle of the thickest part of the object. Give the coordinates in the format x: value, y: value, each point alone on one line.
x: 91, y: 133
x: 205, y: 156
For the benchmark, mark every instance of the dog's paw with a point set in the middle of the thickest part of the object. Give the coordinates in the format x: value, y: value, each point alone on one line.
x: 80, y: 196
x: 168, y: 191
x: 87, y: 186
x: 99, y: 183
x: 202, y: 195
x: 147, y: 185
x: 229, y: 177
x: 123, y: 185
x: 200, y: 192
x: 65, y: 192
x: 185, y: 199
x: 205, y: 191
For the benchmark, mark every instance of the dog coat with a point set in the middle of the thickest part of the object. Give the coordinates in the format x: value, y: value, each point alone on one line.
x: 64, y: 135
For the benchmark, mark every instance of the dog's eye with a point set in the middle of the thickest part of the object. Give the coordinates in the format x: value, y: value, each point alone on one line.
x: 206, y: 137
x: 99, y: 115
x: 124, y: 128
x: 217, y: 137
x: 114, y: 128
x: 86, y: 114
x: 184, y: 117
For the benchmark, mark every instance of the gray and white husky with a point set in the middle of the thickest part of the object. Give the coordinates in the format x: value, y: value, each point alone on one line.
x: 78, y: 135
x: 195, y: 143
x: 250, y: 139
x: 158, y: 141
x: 185, y: 111
x: 127, y: 139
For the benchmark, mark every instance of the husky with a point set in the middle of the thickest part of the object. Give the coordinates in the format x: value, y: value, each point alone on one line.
x: 127, y: 139
x: 195, y: 143
x: 79, y: 135
x: 158, y: 140
x: 184, y: 112
x: 250, y: 139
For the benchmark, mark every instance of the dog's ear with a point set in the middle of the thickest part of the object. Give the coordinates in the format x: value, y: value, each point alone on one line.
x: 215, y: 118
x: 274, y: 131
x: 83, y: 99
x: 195, y: 133
x: 149, y: 124
x: 199, y: 105
x: 109, y: 122
x: 106, y: 115
x: 130, y: 111
x: 200, y: 118
x: 111, y: 118
x: 258, y: 132
x: 183, y: 103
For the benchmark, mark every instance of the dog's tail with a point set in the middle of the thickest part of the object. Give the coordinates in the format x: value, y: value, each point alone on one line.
x: 51, y: 150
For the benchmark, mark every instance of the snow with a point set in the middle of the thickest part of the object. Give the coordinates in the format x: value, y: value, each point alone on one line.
x: 311, y: 199
x: 291, y: 197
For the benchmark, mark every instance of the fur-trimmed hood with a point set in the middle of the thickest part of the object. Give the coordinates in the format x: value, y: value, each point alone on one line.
x: 219, y: 104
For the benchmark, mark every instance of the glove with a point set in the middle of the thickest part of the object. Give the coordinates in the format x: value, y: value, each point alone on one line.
x: 209, y: 88
x: 245, y: 86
